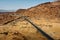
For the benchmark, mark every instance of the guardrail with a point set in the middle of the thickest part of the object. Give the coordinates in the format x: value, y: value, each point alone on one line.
x: 39, y: 29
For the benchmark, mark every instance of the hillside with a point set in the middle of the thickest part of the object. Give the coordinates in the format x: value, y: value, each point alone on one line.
x: 45, y: 16
x: 7, y: 16
x: 50, y: 10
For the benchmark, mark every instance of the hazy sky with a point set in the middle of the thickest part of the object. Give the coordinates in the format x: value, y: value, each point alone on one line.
x: 19, y: 4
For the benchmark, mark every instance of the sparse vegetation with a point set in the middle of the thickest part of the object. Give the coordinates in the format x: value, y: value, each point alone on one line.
x: 46, y: 16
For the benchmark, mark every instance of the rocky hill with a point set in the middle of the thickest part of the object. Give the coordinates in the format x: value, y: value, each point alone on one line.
x: 49, y: 10
x: 14, y: 27
x: 6, y: 16
x: 46, y: 10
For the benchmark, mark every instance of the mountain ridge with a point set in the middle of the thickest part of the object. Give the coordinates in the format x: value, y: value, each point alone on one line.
x: 47, y: 10
x: 2, y: 10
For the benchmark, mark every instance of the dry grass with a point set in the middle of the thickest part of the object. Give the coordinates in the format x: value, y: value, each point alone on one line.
x: 22, y: 27
x: 46, y: 16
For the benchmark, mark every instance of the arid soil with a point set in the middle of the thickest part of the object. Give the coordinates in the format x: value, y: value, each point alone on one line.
x: 45, y: 16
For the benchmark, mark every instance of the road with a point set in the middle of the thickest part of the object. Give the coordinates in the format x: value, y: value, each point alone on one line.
x: 39, y: 29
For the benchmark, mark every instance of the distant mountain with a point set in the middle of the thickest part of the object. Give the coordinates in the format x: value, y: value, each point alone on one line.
x: 1, y: 10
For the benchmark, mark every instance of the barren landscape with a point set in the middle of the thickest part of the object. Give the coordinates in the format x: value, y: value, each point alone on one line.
x: 46, y: 16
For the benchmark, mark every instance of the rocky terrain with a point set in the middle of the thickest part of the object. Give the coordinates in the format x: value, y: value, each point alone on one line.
x: 45, y: 16
x: 49, y: 10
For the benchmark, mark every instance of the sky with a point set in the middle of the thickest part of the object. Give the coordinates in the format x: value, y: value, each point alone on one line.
x: 20, y: 4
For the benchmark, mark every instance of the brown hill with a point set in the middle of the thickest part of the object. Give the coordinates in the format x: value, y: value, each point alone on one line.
x: 21, y: 29
x: 20, y: 10
x: 7, y: 16
x: 46, y: 10
x: 50, y: 10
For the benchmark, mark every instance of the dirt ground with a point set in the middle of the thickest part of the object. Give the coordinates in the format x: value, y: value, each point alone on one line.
x: 23, y: 30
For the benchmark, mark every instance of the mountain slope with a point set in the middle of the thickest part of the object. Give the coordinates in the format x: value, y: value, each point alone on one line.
x: 50, y: 10
x: 17, y: 28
